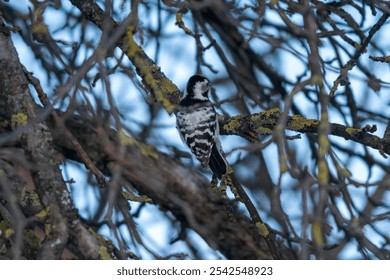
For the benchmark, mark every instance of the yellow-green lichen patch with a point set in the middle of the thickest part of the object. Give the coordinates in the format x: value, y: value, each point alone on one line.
x: 31, y: 241
x: 262, y: 229
x: 214, y: 184
x: 40, y: 28
x: 323, y: 140
x: 131, y: 47
x: 30, y: 198
x: 298, y: 123
x: 357, y: 45
x: 18, y: 119
x: 222, y: 190
x: 233, y: 125
x: 316, y: 232
x: 342, y: 171
x: 104, y: 254
x: 229, y: 181
x: 263, y: 123
x: 159, y: 92
x: 283, y: 163
x: 170, y: 91
x: 132, y: 197
x: 263, y: 130
x: 125, y: 140
x: 9, y: 232
x: 42, y: 214
x: 324, y: 145
x: 145, y: 150
x: 323, y: 172
x: 5, y: 230
x: 266, y: 117
x: 261, y: 117
x: 103, y: 245
x: 147, y: 70
x: 180, y: 23
x: 272, y: 111
x: 352, y: 131
x: 316, y: 80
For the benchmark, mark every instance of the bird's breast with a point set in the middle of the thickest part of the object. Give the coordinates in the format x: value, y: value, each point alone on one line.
x: 199, y: 118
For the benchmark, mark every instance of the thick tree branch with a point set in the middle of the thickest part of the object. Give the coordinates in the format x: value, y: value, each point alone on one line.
x: 170, y: 185
x: 162, y: 88
x: 264, y: 123
x: 61, y: 220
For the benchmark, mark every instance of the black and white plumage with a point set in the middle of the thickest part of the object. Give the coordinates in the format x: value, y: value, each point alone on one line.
x: 198, y: 125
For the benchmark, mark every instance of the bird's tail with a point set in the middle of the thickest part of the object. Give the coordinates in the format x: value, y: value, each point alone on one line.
x: 217, y: 162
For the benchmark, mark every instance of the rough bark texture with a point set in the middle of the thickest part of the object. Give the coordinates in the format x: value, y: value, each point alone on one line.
x: 61, y: 223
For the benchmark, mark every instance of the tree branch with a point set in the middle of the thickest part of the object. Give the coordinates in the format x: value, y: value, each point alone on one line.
x: 265, y: 122
x: 61, y: 219
x: 170, y: 185
x: 162, y: 88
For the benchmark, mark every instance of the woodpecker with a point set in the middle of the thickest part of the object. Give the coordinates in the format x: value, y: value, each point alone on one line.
x: 198, y: 126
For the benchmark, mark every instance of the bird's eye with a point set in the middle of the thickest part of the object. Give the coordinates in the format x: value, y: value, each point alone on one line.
x: 205, y: 86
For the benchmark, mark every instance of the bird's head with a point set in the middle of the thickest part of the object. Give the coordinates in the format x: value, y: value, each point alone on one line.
x: 197, y: 88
